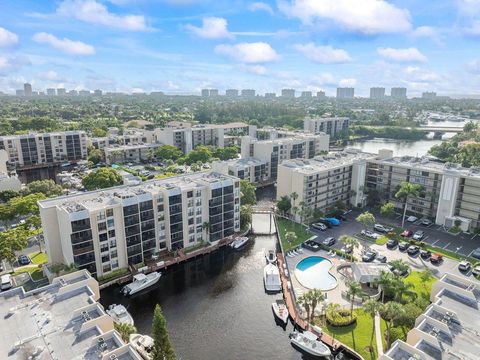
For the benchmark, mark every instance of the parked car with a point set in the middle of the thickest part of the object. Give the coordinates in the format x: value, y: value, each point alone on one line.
x: 382, y: 228
x: 412, y: 219
x: 325, y: 222
x: 369, y: 256
x: 413, y: 250
x: 436, y: 258
x: 426, y: 222
x: 319, y: 226
x: 329, y: 241
x: 476, y: 270
x: 403, y: 246
x: 347, y: 249
x: 476, y: 253
x: 406, y: 233
x: 23, y: 260
x: 391, y: 243
x: 418, y: 235
x: 333, y: 221
x: 380, y: 259
x: 464, y: 266
x: 6, y: 282
x: 425, y: 254
x: 370, y: 234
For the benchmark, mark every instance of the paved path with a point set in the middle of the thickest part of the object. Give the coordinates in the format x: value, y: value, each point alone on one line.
x: 378, y: 335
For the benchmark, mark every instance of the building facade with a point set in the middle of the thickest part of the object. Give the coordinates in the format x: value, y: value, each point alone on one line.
x: 345, y: 93
x: 398, y: 93
x: 113, y: 228
x: 331, y: 126
x: 254, y: 170
x: 231, y: 93
x: 27, y: 89
x: 377, y: 93
x: 248, y: 93
x: 130, y: 153
x: 288, y: 93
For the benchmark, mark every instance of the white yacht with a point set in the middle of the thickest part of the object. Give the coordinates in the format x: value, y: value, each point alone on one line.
x: 141, y: 282
x: 239, y: 242
x: 119, y: 314
x: 143, y: 344
x: 271, y: 256
x: 280, y: 310
x: 309, y: 343
x: 271, y: 278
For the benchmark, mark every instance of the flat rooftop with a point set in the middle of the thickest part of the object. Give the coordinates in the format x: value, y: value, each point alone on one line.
x: 249, y: 161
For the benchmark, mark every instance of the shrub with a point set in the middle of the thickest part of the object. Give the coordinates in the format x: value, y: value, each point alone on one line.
x: 341, y: 318
x: 397, y: 333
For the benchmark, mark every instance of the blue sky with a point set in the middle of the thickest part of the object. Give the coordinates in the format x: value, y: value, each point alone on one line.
x: 181, y: 46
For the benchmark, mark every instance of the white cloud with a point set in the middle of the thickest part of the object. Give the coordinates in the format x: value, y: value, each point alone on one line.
x: 49, y: 75
x: 65, y: 45
x: 363, y: 16
x: 7, y: 38
x: 428, y: 32
x: 254, y: 69
x: 323, y: 54
x: 212, y: 28
x: 257, y: 52
x: 261, y: 6
x: 324, y: 79
x: 4, y: 63
x: 402, y: 55
x: 93, y: 12
x: 347, y: 82
x: 419, y: 75
x: 473, y: 66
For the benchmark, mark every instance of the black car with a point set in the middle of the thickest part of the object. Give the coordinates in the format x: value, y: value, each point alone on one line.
x: 369, y: 256
x: 381, y: 259
x: 476, y: 253
x: 403, y: 246
x: 391, y: 243
x: 425, y: 254
x: 413, y: 250
x: 23, y: 260
x: 329, y: 241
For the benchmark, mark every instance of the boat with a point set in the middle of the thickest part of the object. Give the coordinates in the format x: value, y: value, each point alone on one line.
x: 239, y: 242
x: 143, y: 344
x: 309, y: 343
x: 271, y: 256
x: 119, y: 314
x: 141, y: 282
x: 280, y: 310
x: 271, y: 278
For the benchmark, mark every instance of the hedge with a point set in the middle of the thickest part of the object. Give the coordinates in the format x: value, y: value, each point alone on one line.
x: 341, y: 318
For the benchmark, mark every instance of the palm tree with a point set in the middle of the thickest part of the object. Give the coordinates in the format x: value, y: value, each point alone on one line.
x: 425, y: 276
x: 405, y: 191
x: 332, y: 309
x: 302, y: 211
x: 390, y: 312
x: 316, y: 297
x: 399, y: 266
x: 125, y: 330
x: 304, y: 301
x: 294, y: 210
x: 354, y: 289
x: 290, y: 237
x: 351, y: 242
x: 384, y: 281
x: 371, y: 307
x: 402, y: 288
x: 206, y: 227
x: 294, y: 196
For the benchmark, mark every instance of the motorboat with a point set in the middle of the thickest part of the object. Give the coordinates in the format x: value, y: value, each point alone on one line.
x: 141, y: 282
x: 143, y: 344
x: 271, y: 256
x: 309, y: 343
x: 119, y: 314
x: 271, y: 278
x: 280, y: 310
x: 239, y: 242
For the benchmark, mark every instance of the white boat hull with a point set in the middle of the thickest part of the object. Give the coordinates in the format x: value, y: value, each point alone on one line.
x: 239, y: 242
x: 137, y: 286
x: 138, y: 342
x: 271, y: 278
x: 120, y: 315
x: 280, y: 311
x: 310, y: 346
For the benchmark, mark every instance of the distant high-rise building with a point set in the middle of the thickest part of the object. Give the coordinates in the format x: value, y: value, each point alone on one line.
x: 205, y: 92
x: 377, y: 93
x: 288, y: 93
x: 213, y: 92
x: 51, y: 92
x: 270, y: 95
x: 73, y: 93
x: 398, y: 93
x: 97, y: 92
x: 27, y: 89
x: 306, y: 94
x: 20, y: 92
x: 321, y: 94
x: 345, y: 93
x: 429, y: 95
x: 84, y: 92
x: 61, y: 92
x: 248, y: 93
x: 231, y: 93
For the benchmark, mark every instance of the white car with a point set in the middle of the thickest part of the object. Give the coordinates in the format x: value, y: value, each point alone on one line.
x: 370, y: 234
x: 412, y: 219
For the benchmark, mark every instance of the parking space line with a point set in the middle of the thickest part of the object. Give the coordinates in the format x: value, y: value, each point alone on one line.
x: 471, y: 252
x: 458, y: 249
x: 447, y: 245
x: 435, y: 242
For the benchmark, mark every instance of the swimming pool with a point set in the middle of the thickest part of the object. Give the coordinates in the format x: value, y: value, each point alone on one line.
x: 313, y: 273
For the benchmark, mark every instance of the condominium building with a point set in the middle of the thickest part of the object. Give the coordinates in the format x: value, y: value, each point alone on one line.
x: 306, y: 94
x: 40, y: 150
x: 213, y: 92
x: 288, y: 93
x: 270, y: 95
x: 130, y: 153
x: 97, y: 92
x: 449, y: 327
x: 61, y: 92
x: 321, y: 94
x: 377, y: 93
x: 398, y: 93
x: 187, y: 136
x: 248, y: 93
x: 429, y: 95
x: 27, y: 89
x: 274, y: 151
x: 112, y: 228
x: 325, y: 180
x: 332, y: 126
x: 205, y: 92
x: 59, y: 321
x: 345, y: 93
x: 51, y: 92
x: 231, y: 93
x: 251, y: 169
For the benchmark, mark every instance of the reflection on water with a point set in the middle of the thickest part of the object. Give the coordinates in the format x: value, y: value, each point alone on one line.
x: 399, y: 147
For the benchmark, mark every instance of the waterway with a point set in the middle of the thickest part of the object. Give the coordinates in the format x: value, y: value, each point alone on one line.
x: 216, y: 306
x: 399, y: 147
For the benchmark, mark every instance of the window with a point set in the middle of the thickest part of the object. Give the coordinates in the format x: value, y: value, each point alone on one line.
x: 110, y: 223
x: 101, y: 216
x: 102, y: 237
x: 189, y: 194
x: 111, y: 233
x: 109, y: 212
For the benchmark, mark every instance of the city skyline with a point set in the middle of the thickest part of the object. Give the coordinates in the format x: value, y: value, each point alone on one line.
x: 183, y: 46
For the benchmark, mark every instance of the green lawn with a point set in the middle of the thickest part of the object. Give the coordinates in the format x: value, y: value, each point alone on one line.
x: 39, y: 258
x: 302, y: 232
x: 421, y: 288
x: 35, y: 272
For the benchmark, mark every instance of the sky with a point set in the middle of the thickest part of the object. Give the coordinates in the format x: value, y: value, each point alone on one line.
x: 182, y: 46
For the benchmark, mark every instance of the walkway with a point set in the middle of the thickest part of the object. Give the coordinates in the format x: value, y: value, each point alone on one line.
x: 378, y: 335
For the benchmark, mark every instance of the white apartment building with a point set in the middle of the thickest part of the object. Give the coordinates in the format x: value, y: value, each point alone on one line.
x: 331, y: 126
x: 251, y: 169
x: 111, y: 228
x: 273, y: 152
x: 187, y: 136
x: 323, y: 181
x: 130, y: 153
x: 8, y: 180
x: 448, y: 329
x: 59, y: 321
x: 41, y: 150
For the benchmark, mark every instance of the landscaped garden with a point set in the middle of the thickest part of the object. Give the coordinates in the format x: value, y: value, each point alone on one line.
x: 289, y: 241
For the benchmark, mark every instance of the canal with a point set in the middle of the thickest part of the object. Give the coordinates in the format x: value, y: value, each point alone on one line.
x: 215, y: 306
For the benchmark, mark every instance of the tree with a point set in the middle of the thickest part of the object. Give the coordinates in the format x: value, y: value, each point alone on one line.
x: 168, y: 152
x: 469, y: 127
x: 371, y: 307
x: 409, y: 316
x: 349, y: 242
x: 304, y: 301
x: 226, y: 153
x: 6, y: 195
x: 387, y: 210
x: 101, y: 179
x: 405, y: 191
x: 315, y: 296
x: 45, y: 187
x: 425, y: 276
x: 399, y: 266
x: 294, y: 197
x: 290, y: 237
x: 401, y: 288
x: 390, y: 312
x: 200, y: 153
x: 25, y: 205
x: 366, y: 219
x: 385, y: 281
x: 162, y: 348
x: 98, y: 132
x: 354, y: 289
x: 125, y: 330
x: 96, y: 156
x: 11, y: 241
x: 284, y: 204
x: 245, y: 216
x: 247, y: 193
x: 206, y: 227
